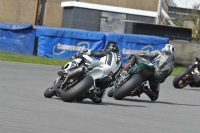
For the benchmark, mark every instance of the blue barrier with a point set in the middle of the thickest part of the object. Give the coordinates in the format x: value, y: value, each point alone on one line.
x: 64, y: 42
x: 17, y: 38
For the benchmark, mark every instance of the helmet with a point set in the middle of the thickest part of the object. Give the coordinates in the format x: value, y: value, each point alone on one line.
x: 168, y: 49
x: 112, y: 47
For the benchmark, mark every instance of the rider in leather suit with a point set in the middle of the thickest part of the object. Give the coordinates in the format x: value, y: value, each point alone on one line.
x: 164, y: 65
x: 109, y: 60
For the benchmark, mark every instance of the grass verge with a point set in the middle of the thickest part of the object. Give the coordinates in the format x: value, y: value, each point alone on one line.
x: 6, y: 56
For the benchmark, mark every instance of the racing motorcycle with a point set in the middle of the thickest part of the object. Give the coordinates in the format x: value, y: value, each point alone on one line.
x: 135, y: 78
x: 189, y: 76
x: 83, y: 82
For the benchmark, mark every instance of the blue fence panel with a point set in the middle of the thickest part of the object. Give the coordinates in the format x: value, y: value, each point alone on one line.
x: 17, y: 38
x: 64, y: 42
x: 133, y: 44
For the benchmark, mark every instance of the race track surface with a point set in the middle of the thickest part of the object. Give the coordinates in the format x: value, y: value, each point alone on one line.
x: 24, y: 109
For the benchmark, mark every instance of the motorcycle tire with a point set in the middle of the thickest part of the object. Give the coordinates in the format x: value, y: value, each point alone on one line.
x: 110, y: 93
x: 127, y: 87
x: 179, y: 77
x: 49, y: 93
x: 75, y: 92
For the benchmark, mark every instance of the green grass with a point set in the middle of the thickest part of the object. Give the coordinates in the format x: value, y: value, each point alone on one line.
x: 177, y: 70
x: 5, y: 56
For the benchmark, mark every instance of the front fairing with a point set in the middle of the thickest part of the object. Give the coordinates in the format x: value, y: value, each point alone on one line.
x: 101, y: 79
x: 96, y: 73
x: 87, y: 60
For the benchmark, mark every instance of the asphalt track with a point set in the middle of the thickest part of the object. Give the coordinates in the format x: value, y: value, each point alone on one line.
x: 23, y: 108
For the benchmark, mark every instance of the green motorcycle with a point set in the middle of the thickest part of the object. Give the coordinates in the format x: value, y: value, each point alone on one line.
x: 136, y: 77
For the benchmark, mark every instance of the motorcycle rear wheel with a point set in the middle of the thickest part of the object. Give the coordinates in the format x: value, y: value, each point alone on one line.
x: 127, y: 87
x: 75, y: 92
x: 179, y: 81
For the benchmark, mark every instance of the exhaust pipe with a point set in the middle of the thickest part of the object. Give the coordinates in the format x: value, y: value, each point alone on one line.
x: 76, y: 71
x: 96, y: 91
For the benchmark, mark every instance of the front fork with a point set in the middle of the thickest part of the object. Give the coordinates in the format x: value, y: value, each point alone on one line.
x: 195, y: 73
x: 120, y: 81
x: 56, y: 85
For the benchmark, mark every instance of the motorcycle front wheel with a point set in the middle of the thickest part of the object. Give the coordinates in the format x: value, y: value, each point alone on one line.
x: 181, y: 80
x: 110, y: 93
x: 75, y: 92
x: 127, y: 87
x: 49, y: 93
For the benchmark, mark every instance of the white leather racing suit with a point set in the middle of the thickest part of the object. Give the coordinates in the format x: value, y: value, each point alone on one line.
x: 109, y: 62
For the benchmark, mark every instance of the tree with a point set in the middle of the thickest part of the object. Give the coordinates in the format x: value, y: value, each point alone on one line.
x: 194, y: 15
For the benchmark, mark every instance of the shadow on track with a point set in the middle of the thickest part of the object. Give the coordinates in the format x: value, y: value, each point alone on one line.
x: 194, y: 89
x: 108, y: 103
x: 156, y: 102
x: 87, y: 101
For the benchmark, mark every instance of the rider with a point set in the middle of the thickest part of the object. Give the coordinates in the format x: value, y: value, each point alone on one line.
x: 163, y: 62
x: 109, y: 60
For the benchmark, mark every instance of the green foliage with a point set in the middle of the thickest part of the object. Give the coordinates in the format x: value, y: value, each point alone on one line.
x: 194, y: 17
x: 177, y: 70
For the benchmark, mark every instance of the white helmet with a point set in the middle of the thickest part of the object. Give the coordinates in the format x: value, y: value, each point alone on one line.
x: 168, y: 49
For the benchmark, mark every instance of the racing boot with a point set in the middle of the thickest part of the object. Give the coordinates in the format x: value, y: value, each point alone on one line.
x: 150, y: 93
x: 80, y: 99
x: 137, y: 92
x: 98, y: 97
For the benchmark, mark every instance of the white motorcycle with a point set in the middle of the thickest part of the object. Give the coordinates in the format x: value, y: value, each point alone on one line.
x: 83, y: 82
